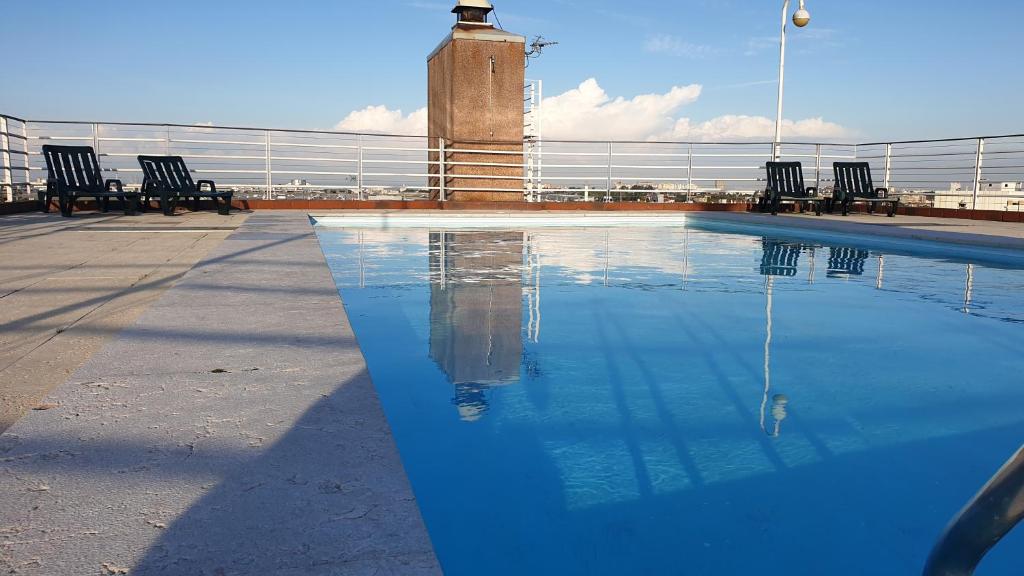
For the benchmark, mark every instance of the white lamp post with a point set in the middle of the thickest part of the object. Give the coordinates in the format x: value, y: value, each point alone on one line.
x: 801, y: 18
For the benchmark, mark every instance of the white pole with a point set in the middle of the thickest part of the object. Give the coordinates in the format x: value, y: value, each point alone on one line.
x: 270, y: 169
x: 776, y: 149
x: 978, y: 165
x: 359, y: 167
x: 539, y: 119
x: 441, y: 194
x: 8, y: 174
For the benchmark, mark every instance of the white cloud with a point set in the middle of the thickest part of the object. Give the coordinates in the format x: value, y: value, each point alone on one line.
x: 587, y: 112
x: 676, y: 46
x: 382, y: 120
x: 736, y: 127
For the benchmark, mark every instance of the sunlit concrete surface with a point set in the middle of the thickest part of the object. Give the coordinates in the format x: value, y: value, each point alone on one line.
x: 68, y: 285
x: 232, y: 429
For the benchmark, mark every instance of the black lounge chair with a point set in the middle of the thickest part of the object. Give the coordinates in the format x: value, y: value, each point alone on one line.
x: 853, y: 184
x: 786, y: 184
x: 168, y: 178
x: 72, y: 172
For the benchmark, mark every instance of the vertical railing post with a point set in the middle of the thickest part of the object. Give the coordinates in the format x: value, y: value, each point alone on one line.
x: 978, y: 164
x: 269, y: 168
x: 888, y: 166
x: 96, y: 139
x: 359, y: 167
x: 689, y: 171
x: 539, y: 120
x: 27, y: 157
x: 531, y: 140
x: 7, y: 176
x: 817, y: 167
x: 611, y: 152
x: 441, y: 181
x: 167, y: 141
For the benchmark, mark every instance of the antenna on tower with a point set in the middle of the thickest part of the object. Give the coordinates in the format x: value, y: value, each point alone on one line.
x: 537, y: 48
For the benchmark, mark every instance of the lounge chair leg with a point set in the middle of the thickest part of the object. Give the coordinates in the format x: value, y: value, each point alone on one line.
x: 130, y: 204
x: 817, y: 208
x: 167, y: 204
x: 225, y: 208
x: 44, y: 202
x: 66, y: 206
x: 775, y: 206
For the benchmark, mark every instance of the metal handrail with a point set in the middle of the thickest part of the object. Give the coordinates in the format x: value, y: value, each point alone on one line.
x: 917, y: 171
x: 989, y: 517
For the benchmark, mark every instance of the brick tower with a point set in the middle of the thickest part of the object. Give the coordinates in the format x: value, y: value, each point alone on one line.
x: 475, y: 102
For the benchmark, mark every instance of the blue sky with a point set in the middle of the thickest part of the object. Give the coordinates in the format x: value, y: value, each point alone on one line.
x: 880, y: 70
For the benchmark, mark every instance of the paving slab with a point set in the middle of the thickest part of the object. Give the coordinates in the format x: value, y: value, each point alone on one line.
x: 69, y: 285
x: 240, y: 434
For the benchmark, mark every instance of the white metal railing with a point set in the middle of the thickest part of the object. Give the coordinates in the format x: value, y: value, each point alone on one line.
x: 269, y: 163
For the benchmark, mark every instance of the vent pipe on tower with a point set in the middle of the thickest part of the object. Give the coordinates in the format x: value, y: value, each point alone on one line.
x: 473, y: 12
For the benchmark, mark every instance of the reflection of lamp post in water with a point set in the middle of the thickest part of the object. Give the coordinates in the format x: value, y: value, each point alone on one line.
x: 779, y: 401
x: 778, y: 259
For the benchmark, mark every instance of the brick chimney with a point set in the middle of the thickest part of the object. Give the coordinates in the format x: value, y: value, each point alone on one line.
x: 475, y: 102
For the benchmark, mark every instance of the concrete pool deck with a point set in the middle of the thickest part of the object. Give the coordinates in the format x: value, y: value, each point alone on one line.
x: 213, y: 413
x: 232, y: 429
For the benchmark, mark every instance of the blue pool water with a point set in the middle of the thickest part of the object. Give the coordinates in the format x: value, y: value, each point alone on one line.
x: 685, y: 400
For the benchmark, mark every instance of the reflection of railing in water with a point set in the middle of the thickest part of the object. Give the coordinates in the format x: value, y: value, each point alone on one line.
x: 990, y: 516
x: 533, y: 269
x: 969, y: 291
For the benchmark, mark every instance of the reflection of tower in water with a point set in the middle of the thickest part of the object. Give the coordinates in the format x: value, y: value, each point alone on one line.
x: 476, y: 313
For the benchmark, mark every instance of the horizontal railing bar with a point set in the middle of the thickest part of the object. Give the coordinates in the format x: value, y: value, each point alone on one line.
x: 313, y: 173
x: 506, y: 152
x: 231, y: 142
x: 302, y: 159
x: 195, y: 156
x: 300, y: 145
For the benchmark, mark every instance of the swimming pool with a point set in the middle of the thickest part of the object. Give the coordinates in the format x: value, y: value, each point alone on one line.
x: 687, y: 399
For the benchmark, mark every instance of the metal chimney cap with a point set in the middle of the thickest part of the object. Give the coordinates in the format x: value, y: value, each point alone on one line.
x: 463, y: 4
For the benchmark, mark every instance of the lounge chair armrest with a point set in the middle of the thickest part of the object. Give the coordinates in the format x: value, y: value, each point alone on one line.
x: 118, y: 186
x: 882, y: 192
x: 812, y: 191
x: 213, y: 187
